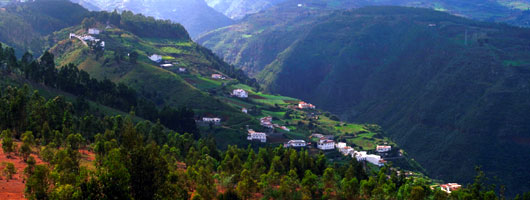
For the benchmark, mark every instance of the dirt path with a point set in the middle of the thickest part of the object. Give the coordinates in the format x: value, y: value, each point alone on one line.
x: 14, y: 188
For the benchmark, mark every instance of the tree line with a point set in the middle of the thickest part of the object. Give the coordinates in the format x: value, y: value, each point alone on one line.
x: 79, y: 83
x: 144, y: 160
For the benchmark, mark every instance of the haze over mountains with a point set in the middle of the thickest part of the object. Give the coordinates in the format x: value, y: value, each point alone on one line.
x: 200, y: 16
x: 195, y: 15
x: 237, y: 9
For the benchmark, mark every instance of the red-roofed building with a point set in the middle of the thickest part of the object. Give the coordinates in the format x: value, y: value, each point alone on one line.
x: 382, y: 149
x: 304, y: 105
x: 450, y: 187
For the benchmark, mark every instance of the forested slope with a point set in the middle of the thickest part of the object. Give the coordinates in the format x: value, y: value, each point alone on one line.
x: 450, y: 90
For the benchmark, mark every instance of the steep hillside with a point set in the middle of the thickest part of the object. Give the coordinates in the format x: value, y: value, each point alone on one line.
x: 163, y: 86
x: 195, y: 15
x: 25, y: 25
x: 259, y: 38
x: 451, y: 91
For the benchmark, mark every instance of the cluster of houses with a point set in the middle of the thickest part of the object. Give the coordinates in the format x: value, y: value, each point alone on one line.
x: 361, y: 155
x: 89, y: 39
x: 304, y: 105
x: 327, y: 143
x: 253, y: 135
x: 240, y: 93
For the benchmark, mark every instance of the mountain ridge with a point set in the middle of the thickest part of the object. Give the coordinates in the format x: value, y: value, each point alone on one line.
x: 440, y: 85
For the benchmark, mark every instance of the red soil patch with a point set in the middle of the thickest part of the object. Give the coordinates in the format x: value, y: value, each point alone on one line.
x: 14, y: 188
x: 87, y: 155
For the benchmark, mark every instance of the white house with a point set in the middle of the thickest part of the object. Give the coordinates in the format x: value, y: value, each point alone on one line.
x: 346, y: 150
x: 182, y: 70
x: 93, y: 31
x: 217, y: 76
x: 450, y: 187
x: 156, y: 58
x: 296, y: 143
x: 244, y: 110
x: 211, y: 119
x: 88, y: 38
x: 340, y: 145
x: 253, y: 135
x: 166, y: 65
x: 359, y: 155
x: 374, y: 159
x: 326, y: 144
x: 266, y: 122
x: 240, y: 93
x: 382, y: 149
x: 316, y: 135
x: 304, y: 105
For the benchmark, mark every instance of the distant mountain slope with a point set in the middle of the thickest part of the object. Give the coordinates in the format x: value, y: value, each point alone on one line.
x: 257, y: 40
x: 237, y: 9
x: 453, y: 92
x: 24, y: 25
x: 195, y: 15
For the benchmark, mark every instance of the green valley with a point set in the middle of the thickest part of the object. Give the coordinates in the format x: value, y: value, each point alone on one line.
x: 409, y: 103
x: 445, y: 88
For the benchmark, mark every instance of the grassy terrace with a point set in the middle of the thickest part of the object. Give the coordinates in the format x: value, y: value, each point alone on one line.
x: 302, y: 123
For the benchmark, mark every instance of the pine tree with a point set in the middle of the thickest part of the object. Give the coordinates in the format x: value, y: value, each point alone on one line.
x: 246, y: 185
x: 9, y: 170
x: 7, y: 142
x: 310, y: 188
